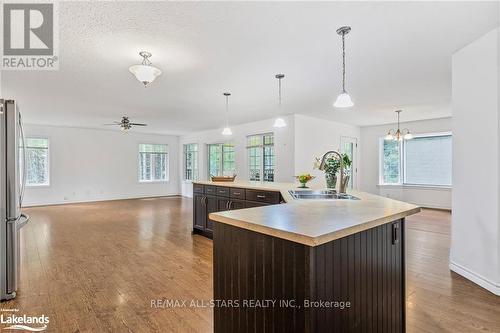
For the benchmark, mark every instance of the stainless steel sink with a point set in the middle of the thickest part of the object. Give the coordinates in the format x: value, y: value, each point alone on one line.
x: 321, y: 194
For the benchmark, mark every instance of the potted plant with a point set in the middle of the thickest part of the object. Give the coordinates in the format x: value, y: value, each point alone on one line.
x: 332, y: 167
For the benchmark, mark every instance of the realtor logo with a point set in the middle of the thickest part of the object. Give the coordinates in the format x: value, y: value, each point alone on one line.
x: 29, y: 36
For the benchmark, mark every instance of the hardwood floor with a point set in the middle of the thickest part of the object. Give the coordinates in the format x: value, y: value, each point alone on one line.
x: 96, y: 267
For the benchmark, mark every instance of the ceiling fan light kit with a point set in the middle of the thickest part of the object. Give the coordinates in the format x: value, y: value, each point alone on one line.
x: 125, y: 124
x: 145, y: 72
x: 343, y: 99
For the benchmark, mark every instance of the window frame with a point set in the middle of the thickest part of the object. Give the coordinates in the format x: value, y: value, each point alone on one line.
x: 47, y: 184
x: 167, y: 165
x: 402, y: 163
x: 228, y: 143
x: 184, y: 161
x: 262, y: 147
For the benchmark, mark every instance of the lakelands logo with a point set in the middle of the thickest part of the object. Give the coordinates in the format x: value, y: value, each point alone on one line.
x: 30, y: 38
x: 23, y: 322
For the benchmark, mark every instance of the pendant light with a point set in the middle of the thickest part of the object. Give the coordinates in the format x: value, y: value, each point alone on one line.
x: 279, y: 122
x: 227, y: 131
x: 145, y: 72
x: 343, y: 99
x: 397, y: 135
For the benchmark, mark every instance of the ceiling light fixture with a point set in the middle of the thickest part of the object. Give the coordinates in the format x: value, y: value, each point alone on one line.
x: 343, y: 99
x: 227, y: 131
x: 397, y: 135
x: 279, y: 122
x: 146, y: 72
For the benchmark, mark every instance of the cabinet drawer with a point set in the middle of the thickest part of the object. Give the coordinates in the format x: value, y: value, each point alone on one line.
x: 236, y: 204
x: 223, y: 191
x: 263, y: 196
x: 237, y: 193
x: 197, y: 188
x: 252, y: 204
x: 209, y: 189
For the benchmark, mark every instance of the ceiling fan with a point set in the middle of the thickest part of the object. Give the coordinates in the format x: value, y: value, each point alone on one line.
x: 125, y: 124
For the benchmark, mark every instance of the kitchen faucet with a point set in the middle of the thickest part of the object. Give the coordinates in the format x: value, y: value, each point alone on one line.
x: 342, y: 186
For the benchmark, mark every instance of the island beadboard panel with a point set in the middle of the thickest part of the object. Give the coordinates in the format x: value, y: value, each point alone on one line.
x: 365, y: 269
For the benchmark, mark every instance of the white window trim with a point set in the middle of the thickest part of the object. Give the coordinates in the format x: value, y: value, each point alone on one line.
x: 402, y: 162
x: 195, y: 175
x: 222, y: 165
x: 260, y: 146
x: 47, y: 184
x: 167, y: 180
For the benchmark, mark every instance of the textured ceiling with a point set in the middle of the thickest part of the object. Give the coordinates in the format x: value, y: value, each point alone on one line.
x: 398, y: 56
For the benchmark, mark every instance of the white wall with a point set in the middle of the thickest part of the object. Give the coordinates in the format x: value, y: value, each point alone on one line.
x: 89, y: 164
x: 475, y: 238
x: 314, y: 137
x: 369, y: 177
x: 283, y: 146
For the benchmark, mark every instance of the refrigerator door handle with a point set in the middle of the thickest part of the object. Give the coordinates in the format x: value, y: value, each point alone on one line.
x: 25, y: 168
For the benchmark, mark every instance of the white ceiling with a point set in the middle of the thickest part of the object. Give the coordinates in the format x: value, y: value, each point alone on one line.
x: 398, y: 56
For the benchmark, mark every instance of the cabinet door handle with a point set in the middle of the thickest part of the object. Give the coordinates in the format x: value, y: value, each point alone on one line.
x: 395, y: 233
x: 206, y: 200
x: 230, y: 204
x: 202, y: 201
x: 261, y: 196
x: 236, y: 193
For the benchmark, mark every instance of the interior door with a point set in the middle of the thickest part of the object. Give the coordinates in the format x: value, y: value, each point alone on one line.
x: 349, y: 146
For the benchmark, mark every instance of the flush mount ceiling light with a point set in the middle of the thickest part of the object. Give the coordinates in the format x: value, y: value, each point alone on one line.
x: 343, y: 99
x: 145, y: 72
x: 398, y: 135
x: 227, y: 131
x: 279, y: 122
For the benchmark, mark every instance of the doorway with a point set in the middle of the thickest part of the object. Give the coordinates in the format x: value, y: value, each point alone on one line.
x: 349, y: 146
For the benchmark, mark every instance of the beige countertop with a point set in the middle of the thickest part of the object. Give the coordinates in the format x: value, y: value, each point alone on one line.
x: 312, y: 222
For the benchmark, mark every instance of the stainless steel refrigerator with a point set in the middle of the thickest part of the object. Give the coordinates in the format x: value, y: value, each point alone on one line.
x: 12, y: 184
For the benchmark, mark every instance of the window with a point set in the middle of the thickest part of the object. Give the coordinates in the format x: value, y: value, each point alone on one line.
x: 427, y: 160
x: 424, y: 160
x: 37, y: 162
x: 153, y: 162
x: 221, y: 159
x: 390, y: 162
x: 261, y: 157
x: 191, y: 161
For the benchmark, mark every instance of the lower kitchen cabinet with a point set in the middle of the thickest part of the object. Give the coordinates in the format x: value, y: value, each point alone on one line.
x: 211, y: 199
x: 202, y: 206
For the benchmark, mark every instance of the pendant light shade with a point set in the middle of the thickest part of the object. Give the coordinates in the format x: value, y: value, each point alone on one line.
x: 145, y: 72
x: 343, y: 99
x: 227, y: 131
x: 279, y: 122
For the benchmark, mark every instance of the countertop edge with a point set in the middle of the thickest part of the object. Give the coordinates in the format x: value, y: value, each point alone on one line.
x: 307, y: 240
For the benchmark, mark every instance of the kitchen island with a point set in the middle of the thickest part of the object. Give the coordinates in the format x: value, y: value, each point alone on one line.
x: 308, y: 265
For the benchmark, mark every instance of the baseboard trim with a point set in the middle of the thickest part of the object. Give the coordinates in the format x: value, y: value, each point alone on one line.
x: 60, y: 203
x: 476, y: 278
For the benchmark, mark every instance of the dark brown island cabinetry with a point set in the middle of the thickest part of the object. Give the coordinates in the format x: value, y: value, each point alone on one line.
x: 210, y: 199
x: 351, y: 284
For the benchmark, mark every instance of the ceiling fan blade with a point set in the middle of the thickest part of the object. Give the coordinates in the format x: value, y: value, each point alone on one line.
x: 136, y: 124
x: 111, y: 124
